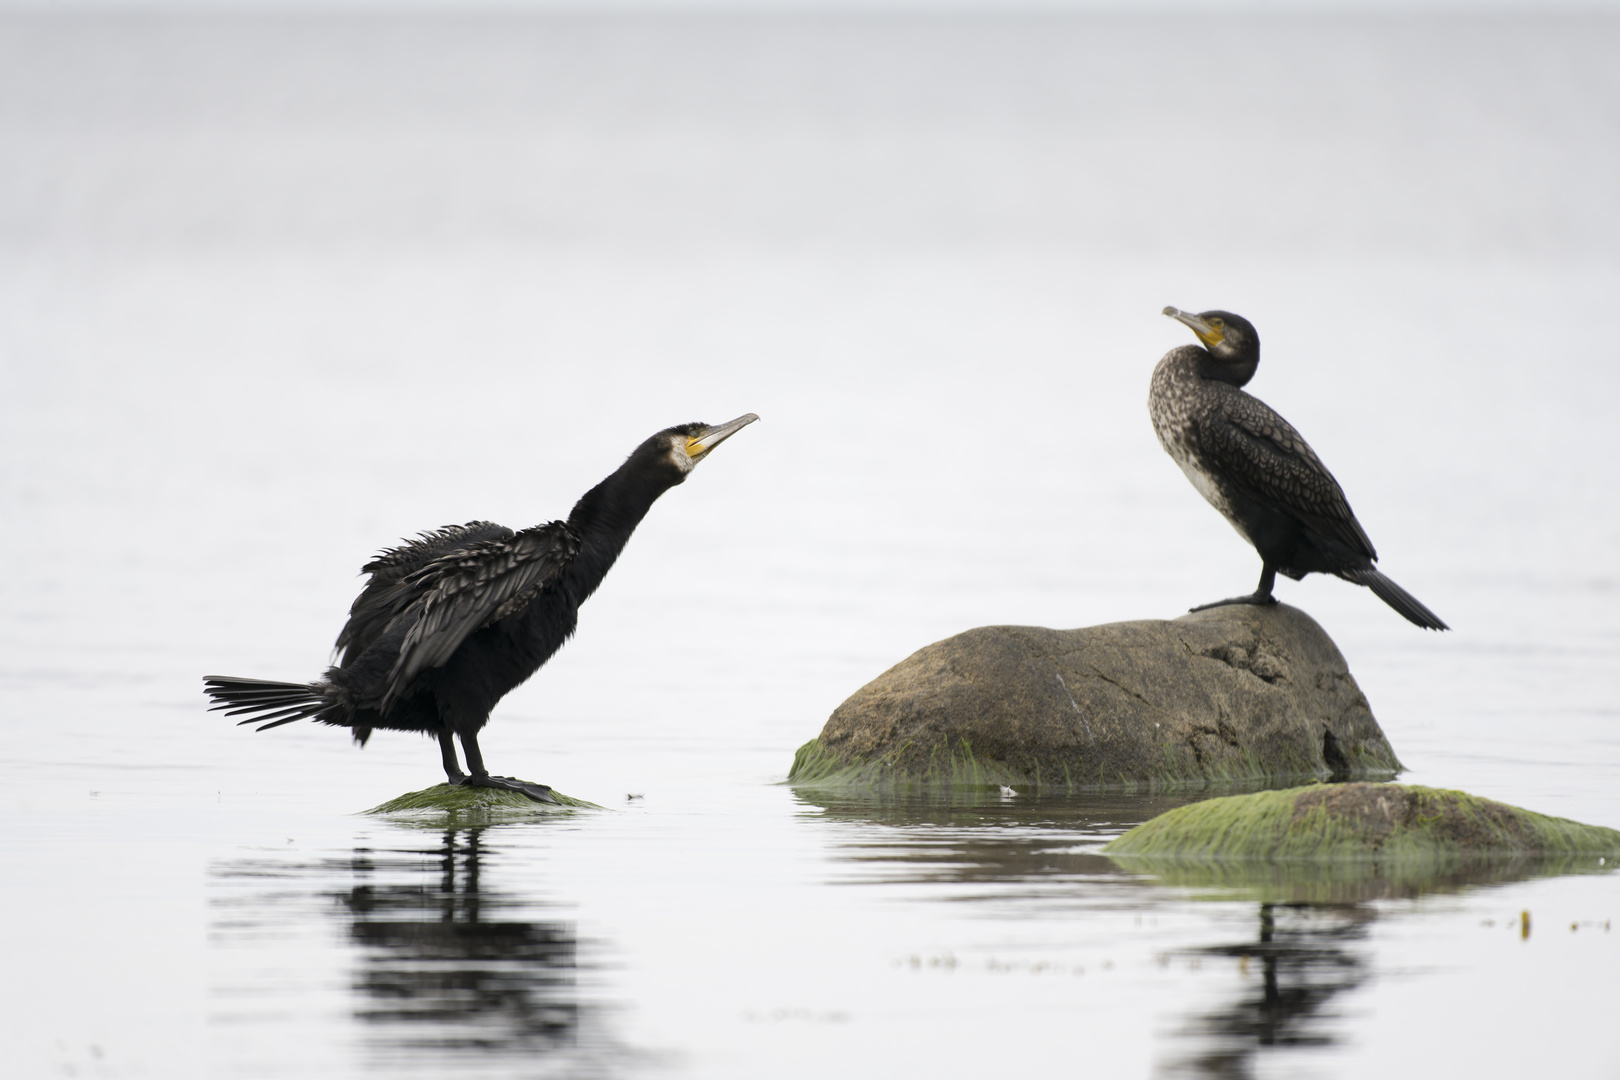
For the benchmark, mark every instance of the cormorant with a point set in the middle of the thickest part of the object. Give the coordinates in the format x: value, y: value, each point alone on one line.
x: 452, y: 621
x: 1255, y: 468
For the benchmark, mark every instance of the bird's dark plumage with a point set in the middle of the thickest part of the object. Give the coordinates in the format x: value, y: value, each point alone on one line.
x: 453, y: 620
x: 1256, y: 469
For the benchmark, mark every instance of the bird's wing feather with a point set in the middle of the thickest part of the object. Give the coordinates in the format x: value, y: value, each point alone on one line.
x: 398, y: 562
x: 1262, y: 453
x: 385, y: 595
x: 463, y: 591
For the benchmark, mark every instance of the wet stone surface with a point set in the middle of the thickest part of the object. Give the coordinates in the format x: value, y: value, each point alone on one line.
x: 1232, y: 694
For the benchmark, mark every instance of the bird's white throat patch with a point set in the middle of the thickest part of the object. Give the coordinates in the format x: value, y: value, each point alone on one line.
x: 677, y: 453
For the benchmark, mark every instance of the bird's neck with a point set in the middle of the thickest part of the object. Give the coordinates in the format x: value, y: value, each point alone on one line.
x: 1236, y: 371
x: 604, y: 518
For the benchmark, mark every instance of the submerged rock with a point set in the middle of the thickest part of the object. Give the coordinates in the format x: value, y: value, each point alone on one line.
x: 1231, y: 694
x: 1348, y: 843
x: 457, y: 799
x: 1350, y: 821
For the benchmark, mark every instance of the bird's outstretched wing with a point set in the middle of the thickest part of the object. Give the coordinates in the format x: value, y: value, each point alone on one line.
x: 386, y: 596
x: 467, y: 589
x: 1263, y: 454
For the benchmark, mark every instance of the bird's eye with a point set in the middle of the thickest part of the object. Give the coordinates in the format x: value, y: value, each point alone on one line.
x: 1217, y: 323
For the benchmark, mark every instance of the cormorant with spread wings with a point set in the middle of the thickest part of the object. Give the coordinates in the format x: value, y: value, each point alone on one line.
x: 1255, y: 468
x: 452, y: 621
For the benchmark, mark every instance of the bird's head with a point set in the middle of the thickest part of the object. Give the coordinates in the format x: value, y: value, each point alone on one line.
x: 658, y: 464
x: 683, y: 446
x: 1231, y: 340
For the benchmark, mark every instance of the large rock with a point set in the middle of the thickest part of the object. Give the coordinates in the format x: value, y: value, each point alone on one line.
x: 1231, y: 694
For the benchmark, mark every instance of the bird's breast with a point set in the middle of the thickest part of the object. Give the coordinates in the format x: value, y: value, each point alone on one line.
x: 1174, y: 404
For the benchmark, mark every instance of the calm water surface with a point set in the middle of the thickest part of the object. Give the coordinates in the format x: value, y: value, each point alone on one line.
x: 275, y: 292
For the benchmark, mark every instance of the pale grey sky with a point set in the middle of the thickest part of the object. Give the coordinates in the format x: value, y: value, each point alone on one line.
x: 1300, y: 6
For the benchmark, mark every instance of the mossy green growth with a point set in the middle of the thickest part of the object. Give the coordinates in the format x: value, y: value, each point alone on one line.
x: 457, y: 800
x: 1359, y: 821
x: 1346, y: 843
x: 947, y: 767
x: 944, y: 767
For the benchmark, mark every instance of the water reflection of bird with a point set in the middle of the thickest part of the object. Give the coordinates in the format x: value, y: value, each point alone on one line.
x: 450, y: 622
x: 450, y: 963
x: 1255, y: 468
x: 1309, y: 954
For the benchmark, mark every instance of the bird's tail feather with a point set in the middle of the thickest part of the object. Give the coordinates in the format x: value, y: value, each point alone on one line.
x: 1396, y: 597
x: 263, y: 700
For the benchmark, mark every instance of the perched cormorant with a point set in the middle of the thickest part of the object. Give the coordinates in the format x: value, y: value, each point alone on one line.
x: 1255, y: 468
x: 452, y: 621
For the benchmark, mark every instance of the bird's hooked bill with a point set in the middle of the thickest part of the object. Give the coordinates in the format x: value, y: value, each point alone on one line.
x: 1186, y: 317
x: 698, y: 445
x: 1209, y: 335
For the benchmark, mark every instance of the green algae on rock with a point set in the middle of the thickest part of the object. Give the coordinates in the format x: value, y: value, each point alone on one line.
x: 458, y: 799
x: 1346, y: 843
x: 1359, y: 821
x: 945, y: 767
x: 1229, y: 696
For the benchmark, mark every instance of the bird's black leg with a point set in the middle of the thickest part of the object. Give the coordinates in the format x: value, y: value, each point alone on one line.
x: 1260, y: 597
x: 480, y: 775
x: 452, y: 767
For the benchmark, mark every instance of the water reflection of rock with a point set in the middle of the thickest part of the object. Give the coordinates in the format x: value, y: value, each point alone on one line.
x: 979, y: 838
x: 1306, y: 955
x: 1104, y: 813
x: 1351, y: 881
x: 440, y: 965
x: 1302, y: 957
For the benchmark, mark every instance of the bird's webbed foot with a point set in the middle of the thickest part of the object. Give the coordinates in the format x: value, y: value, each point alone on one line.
x: 537, y: 792
x: 1257, y: 599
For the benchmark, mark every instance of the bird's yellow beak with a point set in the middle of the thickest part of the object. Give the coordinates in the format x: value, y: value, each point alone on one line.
x: 709, y: 438
x: 1210, y: 335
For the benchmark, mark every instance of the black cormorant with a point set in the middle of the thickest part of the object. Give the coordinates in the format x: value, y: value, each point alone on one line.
x: 1255, y: 468
x: 452, y: 621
